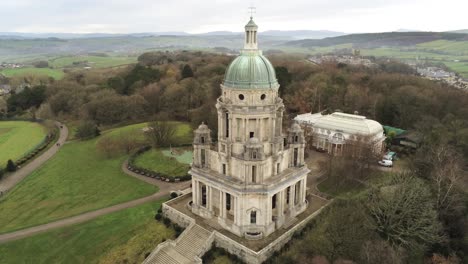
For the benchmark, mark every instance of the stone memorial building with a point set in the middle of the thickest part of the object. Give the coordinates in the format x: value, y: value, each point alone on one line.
x: 253, y: 181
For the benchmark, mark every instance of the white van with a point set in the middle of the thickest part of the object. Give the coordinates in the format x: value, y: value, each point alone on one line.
x: 386, y: 163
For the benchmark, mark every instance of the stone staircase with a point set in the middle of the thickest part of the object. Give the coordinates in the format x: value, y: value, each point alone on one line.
x: 193, y: 242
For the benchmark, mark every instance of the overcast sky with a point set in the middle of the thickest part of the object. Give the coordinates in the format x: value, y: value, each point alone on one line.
x: 196, y: 16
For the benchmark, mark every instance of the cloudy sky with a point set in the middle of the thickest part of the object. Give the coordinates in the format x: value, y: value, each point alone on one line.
x: 196, y: 16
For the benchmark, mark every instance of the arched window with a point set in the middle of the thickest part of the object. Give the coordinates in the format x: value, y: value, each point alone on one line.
x: 254, y: 174
x: 228, y: 201
x: 203, y: 195
x: 253, y: 217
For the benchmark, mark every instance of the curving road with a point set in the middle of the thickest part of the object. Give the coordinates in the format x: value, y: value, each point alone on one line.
x: 8, y: 182
x: 164, y: 189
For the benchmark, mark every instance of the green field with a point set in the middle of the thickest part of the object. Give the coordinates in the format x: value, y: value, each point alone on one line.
x: 54, y: 73
x: 92, y: 61
x: 120, y: 237
x: 162, y: 161
x: 75, y: 180
x: 183, y: 132
x: 18, y: 138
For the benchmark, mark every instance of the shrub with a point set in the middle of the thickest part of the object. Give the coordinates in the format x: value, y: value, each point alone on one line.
x: 11, y: 166
x: 173, y: 195
x: 158, y: 216
x: 2, y: 172
x: 87, y: 129
x: 178, y: 230
x: 167, y: 222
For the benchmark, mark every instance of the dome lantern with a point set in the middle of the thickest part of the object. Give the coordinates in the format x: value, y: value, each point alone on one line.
x: 251, y: 70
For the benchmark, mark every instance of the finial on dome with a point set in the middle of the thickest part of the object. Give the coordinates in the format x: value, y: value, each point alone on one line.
x: 252, y: 10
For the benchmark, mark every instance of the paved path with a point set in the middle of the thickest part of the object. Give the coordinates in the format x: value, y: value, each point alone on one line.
x: 8, y: 182
x: 164, y: 189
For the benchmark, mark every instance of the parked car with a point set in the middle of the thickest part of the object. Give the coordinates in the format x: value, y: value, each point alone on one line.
x: 391, y: 155
x: 386, y: 163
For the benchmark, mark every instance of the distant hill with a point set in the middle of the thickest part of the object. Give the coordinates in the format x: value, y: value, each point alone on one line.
x: 19, y: 35
x: 303, y: 34
x: 462, y: 31
x: 287, y: 34
x: 374, y: 40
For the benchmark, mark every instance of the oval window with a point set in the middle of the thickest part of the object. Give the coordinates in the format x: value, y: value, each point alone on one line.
x: 241, y: 96
x: 263, y: 96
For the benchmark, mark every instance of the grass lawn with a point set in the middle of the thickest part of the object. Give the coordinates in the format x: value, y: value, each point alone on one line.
x: 17, y: 138
x: 54, y: 73
x: 121, y: 237
x: 76, y: 180
x: 183, y: 132
x: 163, y: 162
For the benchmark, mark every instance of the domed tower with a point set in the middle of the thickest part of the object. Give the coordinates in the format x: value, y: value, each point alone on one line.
x: 201, y: 146
x: 255, y: 180
x: 296, y: 141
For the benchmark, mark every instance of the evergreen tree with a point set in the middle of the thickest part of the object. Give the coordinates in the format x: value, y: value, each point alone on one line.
x: 187, y: 72
x: 11, y: 166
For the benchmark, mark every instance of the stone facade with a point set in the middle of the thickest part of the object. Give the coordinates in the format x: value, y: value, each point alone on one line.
x: 254, y: 180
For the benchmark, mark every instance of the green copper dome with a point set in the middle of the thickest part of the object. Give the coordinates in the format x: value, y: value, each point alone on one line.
x: 251, y: 70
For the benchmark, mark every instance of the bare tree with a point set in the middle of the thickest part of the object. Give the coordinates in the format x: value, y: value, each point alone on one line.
x: 108, y: 147
x: 446, y: 172
x: 379, y: 251
x: 362, y: 150
x: 161, y: 133
x: 404, y: 214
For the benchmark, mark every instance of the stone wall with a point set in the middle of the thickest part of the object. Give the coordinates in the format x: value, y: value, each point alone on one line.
x: 251, y: 257
x: 246, y: 254
x: 177, y: 217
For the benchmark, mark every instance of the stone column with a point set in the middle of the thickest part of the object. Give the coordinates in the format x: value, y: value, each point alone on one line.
x: 220, y: 126
x: 220, y: 203
x: 292, y: 196
x: 236, y: 209
x: 210, y: 198
x: 269, y: 210
x: 280, y: 203
x: 304, y: 189
x: 194, y: 192
x: 245, y: 137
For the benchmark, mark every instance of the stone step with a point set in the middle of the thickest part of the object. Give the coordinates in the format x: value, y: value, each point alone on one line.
x: 162, y: 257
x: 192, y: 243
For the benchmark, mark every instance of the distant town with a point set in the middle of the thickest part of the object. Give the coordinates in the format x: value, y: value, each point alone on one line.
x: 438, y: 74
x: 429, y: 72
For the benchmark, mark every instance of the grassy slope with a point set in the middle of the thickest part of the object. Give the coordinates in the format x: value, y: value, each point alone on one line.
x: 183, y: 132
x: 113, y: 238
x: 17, y: 138
x: 74, y: 181
x: 94, y: 61
x: 54, y: 73
x: 155, y: 160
